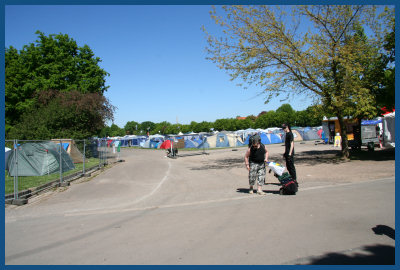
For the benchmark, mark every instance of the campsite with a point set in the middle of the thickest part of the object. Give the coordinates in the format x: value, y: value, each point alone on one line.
x: 199, y: 204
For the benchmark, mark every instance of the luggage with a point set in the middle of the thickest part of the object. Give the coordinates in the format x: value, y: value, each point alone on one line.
x: 289, y: 186
x: 276, y: 168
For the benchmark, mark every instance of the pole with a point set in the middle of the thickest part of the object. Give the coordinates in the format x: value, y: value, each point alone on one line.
x: 60, y: 163
x: 16, y: 170
x: 84, y: 154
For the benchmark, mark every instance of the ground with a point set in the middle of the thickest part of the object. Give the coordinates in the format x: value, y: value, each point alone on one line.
x: 196, y: 209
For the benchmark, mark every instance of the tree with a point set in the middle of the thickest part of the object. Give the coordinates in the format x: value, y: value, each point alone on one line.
x: 52, y: 63
x: 161, y: 127
x: 63, y: 115
x: 148, y: 126
x: 131, y: 127
x: 261, y: 45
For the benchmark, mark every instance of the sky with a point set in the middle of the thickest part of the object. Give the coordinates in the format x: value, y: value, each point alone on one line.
x: 156, y: 58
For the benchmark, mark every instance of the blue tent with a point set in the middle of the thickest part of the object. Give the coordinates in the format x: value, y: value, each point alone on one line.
x: 264, y: 139
x: 275, y: 138
x: 191, y: 144
x: 222, y: 140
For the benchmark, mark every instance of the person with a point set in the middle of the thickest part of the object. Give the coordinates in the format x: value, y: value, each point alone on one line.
x: 255, y: 158
x: 289, y: 152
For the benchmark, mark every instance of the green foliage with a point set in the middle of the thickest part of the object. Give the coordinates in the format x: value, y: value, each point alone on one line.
x: 63, y: 115
x: 333, y: 62
x: 52, y: 63
x: 131, y: 127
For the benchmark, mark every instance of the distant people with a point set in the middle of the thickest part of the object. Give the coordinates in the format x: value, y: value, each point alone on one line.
x: 255, y: 158
x: 289, y: 151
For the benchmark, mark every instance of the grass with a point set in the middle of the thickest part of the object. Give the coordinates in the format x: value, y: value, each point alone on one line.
x: 26, y: 182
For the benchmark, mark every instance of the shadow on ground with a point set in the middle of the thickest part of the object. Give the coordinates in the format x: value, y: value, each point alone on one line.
x: 308, y: 158
x: 371, y: 255
x: 367, y: 255
x: 379, y: 155
x: 246, y: 191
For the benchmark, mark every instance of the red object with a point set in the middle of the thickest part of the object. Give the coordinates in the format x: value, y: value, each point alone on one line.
x: 386, y: 111
x: 319, y: 132
x: 166, y: 145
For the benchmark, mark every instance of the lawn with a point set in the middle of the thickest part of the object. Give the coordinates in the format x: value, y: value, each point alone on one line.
x: 25, y: 182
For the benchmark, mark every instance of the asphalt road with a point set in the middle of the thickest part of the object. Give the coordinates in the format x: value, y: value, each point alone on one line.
x: 154, y: 210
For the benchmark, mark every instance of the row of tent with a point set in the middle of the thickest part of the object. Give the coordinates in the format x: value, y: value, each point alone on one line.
x: 219, y: 139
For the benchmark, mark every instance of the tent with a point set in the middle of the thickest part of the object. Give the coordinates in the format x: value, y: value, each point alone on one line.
x: 166, y: 144
x: 70, y: 146
x: 191, y: 143
x: 36, y: 159
x: 274, y: 138
x: 218, y: 140
x: 389, y: 129
x: 310, y: 134
x: 222, y: 140
x: 264, y: 138
x: 6, y: 155
x: 296, y: 136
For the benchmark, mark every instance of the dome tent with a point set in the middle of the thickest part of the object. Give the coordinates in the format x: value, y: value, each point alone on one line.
x: 36, y: 159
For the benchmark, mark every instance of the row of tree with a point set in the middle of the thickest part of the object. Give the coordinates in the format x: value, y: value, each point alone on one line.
x: 312, y: 116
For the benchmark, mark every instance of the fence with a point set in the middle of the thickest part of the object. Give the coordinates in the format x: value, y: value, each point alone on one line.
x: 35, y: 166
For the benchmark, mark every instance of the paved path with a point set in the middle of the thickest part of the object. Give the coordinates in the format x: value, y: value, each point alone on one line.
x: 155, y: 210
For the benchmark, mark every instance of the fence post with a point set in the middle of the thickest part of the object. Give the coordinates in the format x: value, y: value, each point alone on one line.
x: 17, y: 200
x: 99, y: 143
x: 62, y: 184
x: 84, y: 155
x: 16, y: 169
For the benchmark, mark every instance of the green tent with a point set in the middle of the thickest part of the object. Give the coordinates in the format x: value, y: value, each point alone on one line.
x: 35, y: 159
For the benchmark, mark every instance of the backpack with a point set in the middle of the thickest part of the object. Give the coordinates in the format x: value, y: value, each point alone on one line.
x: 289, y: 187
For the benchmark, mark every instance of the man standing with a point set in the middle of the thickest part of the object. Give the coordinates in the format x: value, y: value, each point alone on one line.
x: 289, y: 151
x: 255, y: 158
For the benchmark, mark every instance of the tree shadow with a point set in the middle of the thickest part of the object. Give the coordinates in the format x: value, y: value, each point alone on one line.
x: 378, y: 155
x: 227, y: 163
x: 384, y: 230
x: 371, y: 255
x: 308, y: 158
x: 377, y: 255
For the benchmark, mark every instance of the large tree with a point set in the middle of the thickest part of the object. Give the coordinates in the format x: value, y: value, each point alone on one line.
x: 54, y: 63
x: 323, y: 58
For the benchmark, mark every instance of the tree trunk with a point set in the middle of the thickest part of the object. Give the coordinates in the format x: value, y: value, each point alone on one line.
x: 343, y: 134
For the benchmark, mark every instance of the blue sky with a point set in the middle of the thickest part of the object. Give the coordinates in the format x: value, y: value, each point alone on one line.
x: 155, y: 56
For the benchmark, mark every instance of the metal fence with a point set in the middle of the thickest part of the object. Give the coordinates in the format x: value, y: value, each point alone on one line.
x: 32, y: 167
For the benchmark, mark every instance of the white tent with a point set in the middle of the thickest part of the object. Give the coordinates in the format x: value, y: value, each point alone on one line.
x: 389, y: 128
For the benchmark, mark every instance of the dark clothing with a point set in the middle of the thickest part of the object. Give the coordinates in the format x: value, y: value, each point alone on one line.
x: 257, y: 155
x: 290, y: 167
x: 290, y: 159
x: 288, y: 139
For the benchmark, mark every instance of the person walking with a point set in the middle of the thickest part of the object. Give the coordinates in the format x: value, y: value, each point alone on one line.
x: 254, y: 159
x: 289, y: 152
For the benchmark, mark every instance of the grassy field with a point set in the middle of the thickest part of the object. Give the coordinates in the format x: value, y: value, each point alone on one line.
x: 25, y: 182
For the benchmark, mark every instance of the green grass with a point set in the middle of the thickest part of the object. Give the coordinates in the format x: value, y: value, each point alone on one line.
x: 25, y: 182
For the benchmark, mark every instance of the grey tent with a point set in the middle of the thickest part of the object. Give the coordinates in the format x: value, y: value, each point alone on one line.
x: 35, y: 159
